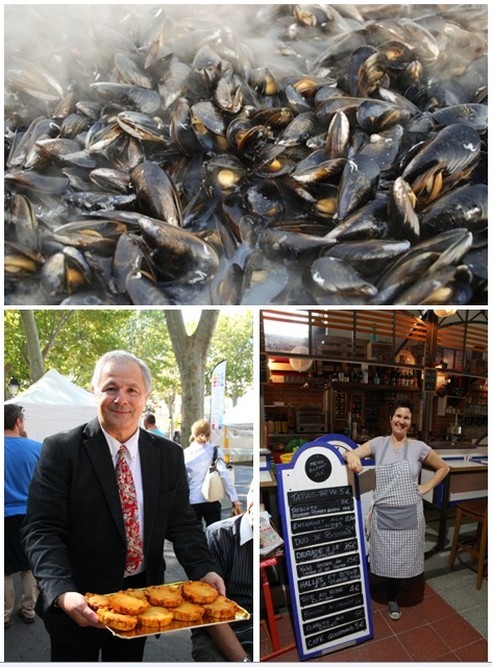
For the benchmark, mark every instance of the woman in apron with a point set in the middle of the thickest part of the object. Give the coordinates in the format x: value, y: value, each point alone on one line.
x: 397, y: 538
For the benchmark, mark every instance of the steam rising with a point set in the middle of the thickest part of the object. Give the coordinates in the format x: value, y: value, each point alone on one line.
x: 55, y: 53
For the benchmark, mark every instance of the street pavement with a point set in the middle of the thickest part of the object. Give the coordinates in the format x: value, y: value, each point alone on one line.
x: 30, y: 643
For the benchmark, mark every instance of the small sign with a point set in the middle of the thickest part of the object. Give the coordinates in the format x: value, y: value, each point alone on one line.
x: 323, y: 529
x: 430, y: 379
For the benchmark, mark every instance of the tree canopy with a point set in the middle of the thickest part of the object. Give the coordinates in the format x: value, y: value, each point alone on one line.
x: 72, y: 340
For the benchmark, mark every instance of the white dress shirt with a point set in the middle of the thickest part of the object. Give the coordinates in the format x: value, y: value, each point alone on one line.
x: 133, y: 459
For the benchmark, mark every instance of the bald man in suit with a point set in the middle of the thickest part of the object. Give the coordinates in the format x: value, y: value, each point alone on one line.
x: 74, y: 532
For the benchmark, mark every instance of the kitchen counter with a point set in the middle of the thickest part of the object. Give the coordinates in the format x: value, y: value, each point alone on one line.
x: 453, y: 446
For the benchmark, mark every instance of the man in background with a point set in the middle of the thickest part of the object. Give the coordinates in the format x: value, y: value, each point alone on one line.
x: 20, y: 459
x: 150, y: 425
x: 231, y: 543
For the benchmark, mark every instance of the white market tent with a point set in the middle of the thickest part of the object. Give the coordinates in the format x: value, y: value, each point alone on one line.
x: 239, y: 428
x: 54, y: 404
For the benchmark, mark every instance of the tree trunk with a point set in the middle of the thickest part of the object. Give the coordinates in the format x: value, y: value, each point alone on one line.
x: 33, y: 347
x: 191, y: 354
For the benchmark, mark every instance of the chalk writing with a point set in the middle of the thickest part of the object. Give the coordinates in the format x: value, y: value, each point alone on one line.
x: 309, y: 539
x: 331, y: 636
x: 328, y: 594
x: 327, y: 565
x: 326, y: 522
x: 333, y: 621
x: 322, y: 507
x: 339, y: 577
x: 310, y: 613
x: 318, y: 468
x: 326, y: 493
x: 326, y: 550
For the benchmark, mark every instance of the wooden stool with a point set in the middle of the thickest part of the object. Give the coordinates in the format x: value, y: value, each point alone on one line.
x: 476, y: 510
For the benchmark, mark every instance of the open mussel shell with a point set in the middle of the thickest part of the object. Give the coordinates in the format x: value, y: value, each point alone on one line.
x: 377, y: 115
x: 65, y: 271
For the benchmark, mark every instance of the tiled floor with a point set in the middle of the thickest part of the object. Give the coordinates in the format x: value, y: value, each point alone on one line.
x: 444, y: 619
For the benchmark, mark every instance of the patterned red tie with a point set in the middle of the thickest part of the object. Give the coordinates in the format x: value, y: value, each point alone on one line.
x: 128, y: 497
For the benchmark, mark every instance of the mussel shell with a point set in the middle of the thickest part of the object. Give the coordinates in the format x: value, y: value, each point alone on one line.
x: 157, y: 193
x: 473, y: 115
x: 370, y: 258
x: 178, y: 255
x: 128, y: 97
x: 358, y: 184
x: 334, y: 276
x: 465, y: 206
x: 377, y: 115
x: 370, y: 221
x: 281, y: 244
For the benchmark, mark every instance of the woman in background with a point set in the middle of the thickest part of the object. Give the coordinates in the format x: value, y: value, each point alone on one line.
x: 198, y: 458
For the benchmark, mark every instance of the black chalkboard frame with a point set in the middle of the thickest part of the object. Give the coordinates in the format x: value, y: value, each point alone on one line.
x: 357, y: 629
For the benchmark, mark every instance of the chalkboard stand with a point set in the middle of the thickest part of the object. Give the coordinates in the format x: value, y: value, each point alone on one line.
x: 323, y: 530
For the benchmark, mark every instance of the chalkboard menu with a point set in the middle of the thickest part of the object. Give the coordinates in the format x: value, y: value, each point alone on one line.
x: 323, y: 530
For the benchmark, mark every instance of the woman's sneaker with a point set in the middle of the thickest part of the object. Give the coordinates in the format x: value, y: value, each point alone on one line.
x: 394, y: 610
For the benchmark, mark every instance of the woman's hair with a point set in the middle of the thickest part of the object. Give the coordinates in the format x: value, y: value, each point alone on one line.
x: 400, y: 404
x: 127, y: 357
x: 200, y: 431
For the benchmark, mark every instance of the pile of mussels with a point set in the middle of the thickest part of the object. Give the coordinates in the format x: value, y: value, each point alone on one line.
x: 277, y: 154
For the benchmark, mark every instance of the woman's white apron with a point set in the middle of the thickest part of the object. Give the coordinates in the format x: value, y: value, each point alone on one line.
x: 397, y: 540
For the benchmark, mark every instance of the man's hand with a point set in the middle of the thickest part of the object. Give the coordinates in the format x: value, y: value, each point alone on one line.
x: 75, y: 605
x: 216, y: 581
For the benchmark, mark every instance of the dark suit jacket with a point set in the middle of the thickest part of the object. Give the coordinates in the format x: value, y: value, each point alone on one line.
x: 74, y: 534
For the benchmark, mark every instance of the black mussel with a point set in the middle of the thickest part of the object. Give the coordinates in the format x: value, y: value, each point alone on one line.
x: 128, y: 97
x: 358, y: 184
x: 370, y: 221
x: 157, y: 195
x: 142, y: 126
x: 333, y: 276
x: 474, y: 115
x: 466, y: 206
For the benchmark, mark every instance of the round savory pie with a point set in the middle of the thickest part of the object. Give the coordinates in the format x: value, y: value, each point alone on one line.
x: 138, y: 593
x: 127, y: 604
x: 188, y: 611
x: 199, y: 592
x: 96, y: 601
x: 155, y: 618
x: 221, y: 609
x: 116, y: 621
x: 164, y: 596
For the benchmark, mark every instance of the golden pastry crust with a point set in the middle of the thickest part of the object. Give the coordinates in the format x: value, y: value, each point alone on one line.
x: 188, y: 611
x: 155, y: 618
x: 127, y: 604
x: 96, y: 601
x: 116, y: 621
x: 138, y: 593
x: 164, y: 596
x: 199, y: 592
x: 221, y: 609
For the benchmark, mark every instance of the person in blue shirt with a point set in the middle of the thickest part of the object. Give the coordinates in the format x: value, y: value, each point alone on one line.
x: 20, y: 459
x: 150, y: 425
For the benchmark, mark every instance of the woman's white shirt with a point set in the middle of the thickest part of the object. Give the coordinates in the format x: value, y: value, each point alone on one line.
x: 198, y: 459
